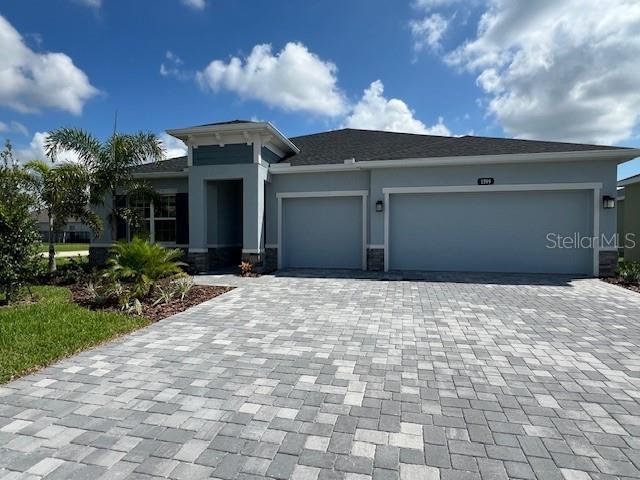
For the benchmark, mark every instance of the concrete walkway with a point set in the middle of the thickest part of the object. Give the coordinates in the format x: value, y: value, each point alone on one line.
x: 74, y: 253
x: 313, y: 376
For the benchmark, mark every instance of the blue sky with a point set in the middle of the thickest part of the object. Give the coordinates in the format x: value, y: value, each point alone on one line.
x: 427, y: 66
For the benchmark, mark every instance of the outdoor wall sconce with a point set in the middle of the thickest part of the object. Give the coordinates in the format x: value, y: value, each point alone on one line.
x: 379, y: 206
x: 608, y: 202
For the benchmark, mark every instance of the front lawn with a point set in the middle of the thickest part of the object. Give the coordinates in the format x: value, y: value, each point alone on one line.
x: 65, y: 247
x: 33, y: 335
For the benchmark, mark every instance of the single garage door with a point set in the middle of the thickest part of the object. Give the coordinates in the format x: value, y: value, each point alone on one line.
x: 490, y: 231
x: 322, y: 232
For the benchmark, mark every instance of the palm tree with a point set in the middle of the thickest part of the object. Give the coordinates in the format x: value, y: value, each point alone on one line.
x: 63, y: 192
x: 111, y: 164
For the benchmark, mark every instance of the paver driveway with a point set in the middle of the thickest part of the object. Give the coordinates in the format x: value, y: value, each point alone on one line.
x: 309, y: 378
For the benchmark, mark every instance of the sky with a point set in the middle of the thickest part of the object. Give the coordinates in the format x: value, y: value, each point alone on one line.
x: 551, y: 70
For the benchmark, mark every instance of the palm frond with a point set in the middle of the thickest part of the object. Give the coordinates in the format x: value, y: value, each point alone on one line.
x: 85, y: 145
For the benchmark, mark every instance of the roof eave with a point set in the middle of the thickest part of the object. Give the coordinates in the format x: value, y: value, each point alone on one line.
x: 184, y: 133
x: 629, y: 181
x: 619, y: 156
x: 152, y: 175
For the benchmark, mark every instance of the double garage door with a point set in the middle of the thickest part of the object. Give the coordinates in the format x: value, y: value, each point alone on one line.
x: 511, y: 231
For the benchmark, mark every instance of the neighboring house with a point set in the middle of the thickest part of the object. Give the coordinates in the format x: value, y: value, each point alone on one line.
x: 629, y: 217
x: 73, y: 232
x: 382, y: 201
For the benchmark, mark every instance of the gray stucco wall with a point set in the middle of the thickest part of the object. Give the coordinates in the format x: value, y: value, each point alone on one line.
x: 252, y: 176
x: 377, y: 179
x: 309, y: 182
x: 632, y: 220
x: 565, y: 172
x: 620, y: 215
x: 177, y: 185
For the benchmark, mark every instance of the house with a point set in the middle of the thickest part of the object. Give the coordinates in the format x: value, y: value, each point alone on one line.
x: 379, y: 201
x: 74, y: 230
x: 629, y: 217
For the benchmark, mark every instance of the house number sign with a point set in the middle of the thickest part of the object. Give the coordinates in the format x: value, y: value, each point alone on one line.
x: 486, y: 181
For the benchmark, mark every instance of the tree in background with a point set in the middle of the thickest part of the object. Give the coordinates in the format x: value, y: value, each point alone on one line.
x: 19, y: 236
x: 111, y: 164
x: 63, y: 192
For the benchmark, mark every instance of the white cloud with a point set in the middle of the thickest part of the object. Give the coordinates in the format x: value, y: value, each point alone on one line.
x: 195, y: 4
x: 428, y: 32
x: 90, y: 3
x: 173, y: 146
x: 13, y: 126
x: 172, y: 65
x: 294, y: 79
x: 564, y: 70
x: 376, y: 112
x: 431, y: 4
x: 36, y: 151
x: 31, y: 81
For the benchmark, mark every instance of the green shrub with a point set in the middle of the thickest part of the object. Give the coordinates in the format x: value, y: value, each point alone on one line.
x: 183, y: 286
x: 70, y: 272
x: 105, y: 291
x: 629, y: 271
x: 178, y: 288
x: 19, y: 237
x: 141, y: 264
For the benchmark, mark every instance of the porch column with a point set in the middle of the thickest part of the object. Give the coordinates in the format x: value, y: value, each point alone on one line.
x: 253, y: 214
x: 198, y: 251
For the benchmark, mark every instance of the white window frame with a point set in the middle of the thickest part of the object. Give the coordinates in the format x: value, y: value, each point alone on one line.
x: 540, y: 187
x: 152, y: 219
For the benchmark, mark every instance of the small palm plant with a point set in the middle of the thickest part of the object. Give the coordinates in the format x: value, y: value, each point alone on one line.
x: 112, y: 164
x: 141, y: 264
x: 63, y: 194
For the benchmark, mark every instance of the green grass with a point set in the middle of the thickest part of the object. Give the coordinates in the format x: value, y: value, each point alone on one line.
x: 65, y: 247
x: 65, y: 260
x: 37, y: 334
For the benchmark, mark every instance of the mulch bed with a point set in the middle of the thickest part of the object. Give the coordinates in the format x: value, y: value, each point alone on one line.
x: 621, y: 283
x: 197, y: 295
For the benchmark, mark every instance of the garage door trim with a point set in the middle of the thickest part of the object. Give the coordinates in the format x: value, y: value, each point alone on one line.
x: 322, y: 194
x: 596, y: 187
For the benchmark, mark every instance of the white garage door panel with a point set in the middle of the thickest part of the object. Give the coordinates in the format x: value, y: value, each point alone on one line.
x: 489, y: 231
x: 322, y: 232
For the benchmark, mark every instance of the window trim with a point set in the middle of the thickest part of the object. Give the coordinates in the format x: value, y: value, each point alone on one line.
x: 152, y: 219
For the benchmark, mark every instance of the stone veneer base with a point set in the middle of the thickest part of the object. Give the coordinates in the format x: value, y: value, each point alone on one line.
x: 98, y: 256
x: 224, y: 257
x: 608, y: 263
x: 375, y: 259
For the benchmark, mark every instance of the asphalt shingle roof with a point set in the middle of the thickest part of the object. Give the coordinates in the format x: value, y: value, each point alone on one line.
x: 170, y: 165
x: 336, y: 146
x: 364, y: 145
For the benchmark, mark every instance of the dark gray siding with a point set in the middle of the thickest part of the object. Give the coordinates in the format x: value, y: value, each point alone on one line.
x: 269, y: 156
x: 227, y: 155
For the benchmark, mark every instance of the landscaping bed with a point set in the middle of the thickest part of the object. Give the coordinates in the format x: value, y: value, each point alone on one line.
x: 196, y: 295
x: 628, y: 276
x: 620, y: 282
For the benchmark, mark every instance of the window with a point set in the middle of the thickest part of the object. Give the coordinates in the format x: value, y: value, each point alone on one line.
x: 158, y: 219
x: 164, y: 220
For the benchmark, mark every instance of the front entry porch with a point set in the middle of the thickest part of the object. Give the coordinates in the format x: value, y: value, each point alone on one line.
x: 226, y: 215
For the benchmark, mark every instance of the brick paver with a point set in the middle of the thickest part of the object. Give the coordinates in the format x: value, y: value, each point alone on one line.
x: 305, y: 377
